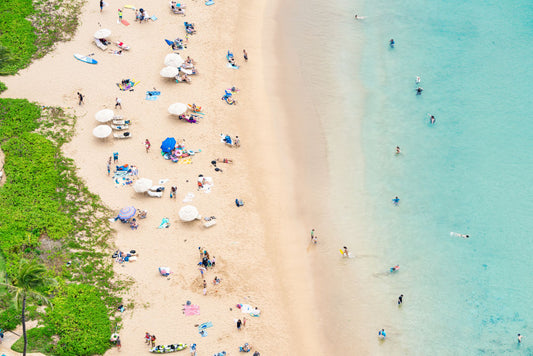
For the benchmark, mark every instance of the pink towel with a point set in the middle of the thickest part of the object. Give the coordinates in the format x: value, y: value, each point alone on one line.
x: 191, y: 310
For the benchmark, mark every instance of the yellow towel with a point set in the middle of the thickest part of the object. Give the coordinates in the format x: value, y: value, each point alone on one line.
x: 185, y: 161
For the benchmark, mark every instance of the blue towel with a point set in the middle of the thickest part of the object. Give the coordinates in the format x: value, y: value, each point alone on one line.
x: 152, y: 95
x: 205, y: 325
x: 209, y: 2
x: 153, y: 18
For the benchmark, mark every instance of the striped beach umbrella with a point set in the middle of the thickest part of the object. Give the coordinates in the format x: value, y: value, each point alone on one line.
x: 127, y: 213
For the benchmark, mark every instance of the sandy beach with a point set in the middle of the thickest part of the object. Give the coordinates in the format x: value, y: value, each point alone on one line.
x: 257, y: 246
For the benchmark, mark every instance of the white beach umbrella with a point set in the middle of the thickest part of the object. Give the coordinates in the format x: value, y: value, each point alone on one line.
x: 188, y: 213
x: 104, y: 115
x: 102, y: 33
x: 142, y: 185
x: 186, y: 71
x: 169, y: 72
x: 177, y: 108
x: 173, y: 60
x: 102, y: 131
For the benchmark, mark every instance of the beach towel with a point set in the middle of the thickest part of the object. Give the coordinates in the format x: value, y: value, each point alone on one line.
x: 152, y: 95
x: 185, y: 161
x: 209, y: 2
x: 130, y: 7
x: 162, y: 181
x: 248, y: 309
x: 205, y: 325
x: 203, y: 333
x: 188, y: 197
x: 164, y: 224
x: 125, y: 23
x: 153, y: 18
x: 128, y: 86
x: 191, y: 310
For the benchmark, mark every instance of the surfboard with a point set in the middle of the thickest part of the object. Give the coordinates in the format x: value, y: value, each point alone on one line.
x: 130, y: 7
x: 85, y: 59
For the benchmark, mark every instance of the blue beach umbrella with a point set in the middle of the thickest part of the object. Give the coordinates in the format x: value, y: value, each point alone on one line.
x: 168, y: 145
x: 127, y: 213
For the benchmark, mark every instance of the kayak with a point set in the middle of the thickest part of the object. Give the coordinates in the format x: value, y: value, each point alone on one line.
x: 163, y: 349
x: 85, y: 59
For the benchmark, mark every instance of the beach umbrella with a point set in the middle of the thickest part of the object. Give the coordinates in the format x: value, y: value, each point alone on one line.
x: 104, y: 115
x: 177, y: 108
x: 173, y: 60
x: 169, y: 72
x: 142, y: 185
x: 168, y: 145
x: 102, y: 131
x: 102, y: 33
x: 187, y: 71
x: 127, y: 213
x: 188, y: 213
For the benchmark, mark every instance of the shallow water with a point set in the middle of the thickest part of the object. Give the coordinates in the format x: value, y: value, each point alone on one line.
x: 470, y: 172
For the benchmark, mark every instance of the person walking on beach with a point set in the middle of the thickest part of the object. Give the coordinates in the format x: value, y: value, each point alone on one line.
x: 101, y: 5
x: 205, y: 287
x: 152, y: 339
x: 173, y: 191
x: 118, y: 343
x: 147, y: 338
x: 147, y: 145
x: 243, y: 322
x: 400, y: 299
x: 245, y: 55
x: 109, y: 166
x: 202, y: 269
x: 239, y: 323
x: 312, y: 234
x: 115, y: 157
x: 193, y: 350
x: 118, y: 102
x: 382, y: 334
x: 120, y: 15
x: 80, y: 98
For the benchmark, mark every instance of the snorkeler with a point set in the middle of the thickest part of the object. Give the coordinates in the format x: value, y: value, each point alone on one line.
x: 396, y: 201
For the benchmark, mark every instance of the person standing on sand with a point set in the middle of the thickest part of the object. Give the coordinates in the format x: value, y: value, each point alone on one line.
x: 109, y: 166
x: 118, y: 343
x: 243, y: 322
x: 101, y: 5
x: 312, y: 234
x: 152, y: 339
x: 147, y: 338
x: 245, y: 55
x: 80, y: 98
x: 118, y: 102
x: 382, y: 334
x: 147, y: 145
x: 205, y: 287
x: 119, y: 15
x: 193, y: 350
x: 239, y: 323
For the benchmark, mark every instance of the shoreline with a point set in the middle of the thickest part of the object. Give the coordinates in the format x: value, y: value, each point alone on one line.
x: 270, y: 281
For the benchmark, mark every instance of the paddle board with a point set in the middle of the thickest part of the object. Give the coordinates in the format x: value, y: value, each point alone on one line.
x: 85, y: 59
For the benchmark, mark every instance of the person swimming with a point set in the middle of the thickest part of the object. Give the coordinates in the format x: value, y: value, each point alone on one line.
x: 396, y: 201
x: 432, y: 119
x: 419, y: 90
x: 417, y: 81
x: 398, y: 150
x: 391, y: 43
x: 395, y: 268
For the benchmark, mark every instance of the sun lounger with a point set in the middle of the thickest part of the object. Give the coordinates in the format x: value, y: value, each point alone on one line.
x: 155, y: 194
x: 119, y: 127
x: 99, y: 44
x: 126, y: 134
x: 210, y: 223
x: 121, y: 122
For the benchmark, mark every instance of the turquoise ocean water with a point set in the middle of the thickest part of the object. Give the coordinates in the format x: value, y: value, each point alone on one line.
x: 471, y: 172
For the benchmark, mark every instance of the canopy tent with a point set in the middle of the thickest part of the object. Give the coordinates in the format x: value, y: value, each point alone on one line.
x: 102, y: 131
x: 188, y: 213
x: 169, y: 72
x: 104, y: 115
x: 127, y: 213
x: 173, y: 60
x: 177, y: 108
x: 168, y: 145
x: 142, y: 185
x: 102, y: 33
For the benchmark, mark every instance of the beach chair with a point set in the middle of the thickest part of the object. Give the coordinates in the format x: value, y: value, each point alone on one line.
x: 99, y: 44
x: 210, y: 223
x: 119, y: 127
x: 121, y: 122
x: 126, y: 134
x: 155, y: 194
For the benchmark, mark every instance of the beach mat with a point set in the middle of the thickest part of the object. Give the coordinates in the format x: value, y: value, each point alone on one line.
x: 152, y: 95
x: 153, y: 18
x: 191, y: 310
x: 125, y: 23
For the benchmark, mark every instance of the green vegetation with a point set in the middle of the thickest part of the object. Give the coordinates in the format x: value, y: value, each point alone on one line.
x: 48, y: 215
x: 3, y: 87
x: 28, y: 285
x: 29, y: 29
